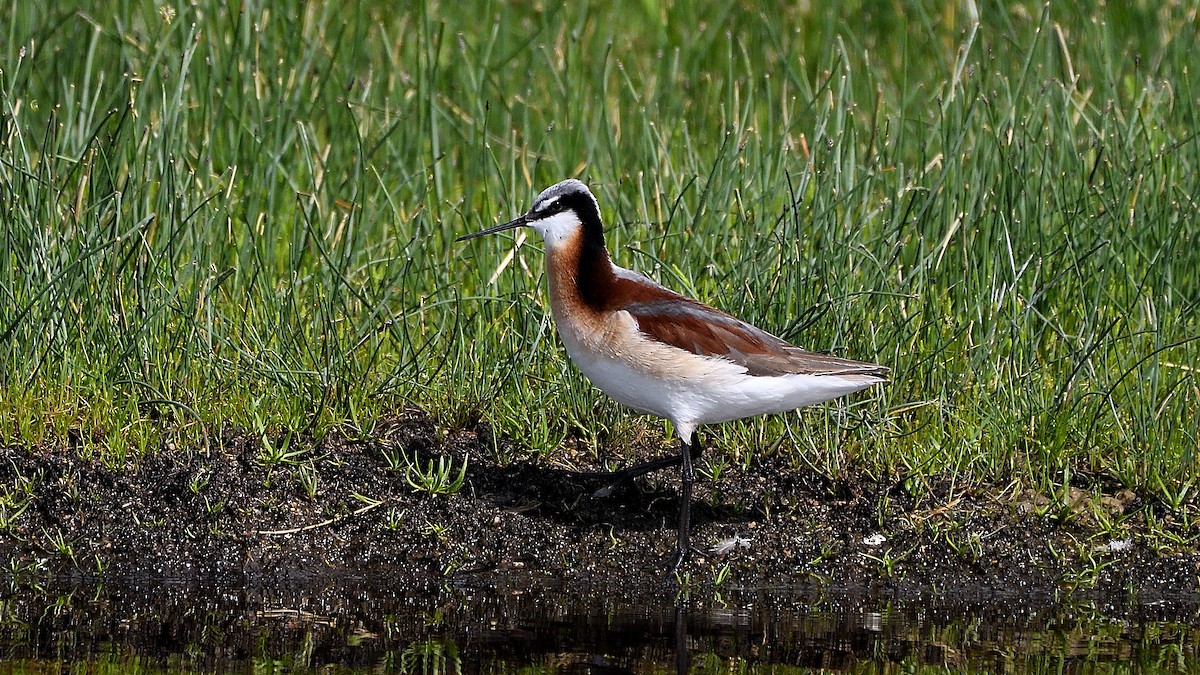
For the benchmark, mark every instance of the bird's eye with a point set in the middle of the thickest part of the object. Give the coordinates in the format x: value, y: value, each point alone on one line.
x: 550, y: 208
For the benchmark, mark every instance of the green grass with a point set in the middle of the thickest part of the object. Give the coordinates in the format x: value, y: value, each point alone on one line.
x: 215, y: 218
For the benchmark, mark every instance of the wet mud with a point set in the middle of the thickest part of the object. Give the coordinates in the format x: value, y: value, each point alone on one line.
x: 347, y: 509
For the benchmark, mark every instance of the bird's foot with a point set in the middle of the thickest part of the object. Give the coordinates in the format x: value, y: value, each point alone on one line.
x: 678, y: 557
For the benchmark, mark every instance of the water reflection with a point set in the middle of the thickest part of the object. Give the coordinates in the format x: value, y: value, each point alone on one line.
x: 509, y: 627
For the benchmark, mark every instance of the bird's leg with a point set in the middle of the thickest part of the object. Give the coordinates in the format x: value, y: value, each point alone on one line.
x: 682, y: 657
x: 688, y: 474
x: 629, y: 473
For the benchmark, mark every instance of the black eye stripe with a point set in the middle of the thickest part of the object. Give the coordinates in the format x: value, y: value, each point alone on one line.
x: 555, y: 207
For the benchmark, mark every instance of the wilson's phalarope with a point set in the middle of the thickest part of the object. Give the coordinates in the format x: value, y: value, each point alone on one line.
x: 662, y: 353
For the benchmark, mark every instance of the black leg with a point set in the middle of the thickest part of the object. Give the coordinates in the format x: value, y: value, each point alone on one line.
x: 617, y: 478
x: 681, y: 651
x: 683, y: 548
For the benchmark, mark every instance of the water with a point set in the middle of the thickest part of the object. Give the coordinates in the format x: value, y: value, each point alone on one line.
x: 509, y: 626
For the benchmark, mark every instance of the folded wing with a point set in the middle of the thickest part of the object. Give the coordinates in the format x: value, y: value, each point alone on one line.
x: 703, y: 330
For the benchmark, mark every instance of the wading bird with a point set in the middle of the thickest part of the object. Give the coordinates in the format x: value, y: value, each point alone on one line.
x: 662, y: 353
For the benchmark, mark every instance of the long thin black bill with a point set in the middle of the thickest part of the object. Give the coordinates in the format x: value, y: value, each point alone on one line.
x: 492, y: 230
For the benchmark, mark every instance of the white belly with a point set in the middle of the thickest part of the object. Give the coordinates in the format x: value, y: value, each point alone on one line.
x: 687, y: 388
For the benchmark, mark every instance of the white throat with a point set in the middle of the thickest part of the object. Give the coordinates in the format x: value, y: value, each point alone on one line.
x: 558, y: 228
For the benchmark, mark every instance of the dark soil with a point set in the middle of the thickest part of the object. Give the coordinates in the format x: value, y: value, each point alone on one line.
x: 223, y: 515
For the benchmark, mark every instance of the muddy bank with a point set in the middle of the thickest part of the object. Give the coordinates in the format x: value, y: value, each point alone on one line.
x: 345, y: 508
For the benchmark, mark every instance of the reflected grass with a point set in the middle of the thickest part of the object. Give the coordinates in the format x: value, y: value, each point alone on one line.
x: 422, y: 631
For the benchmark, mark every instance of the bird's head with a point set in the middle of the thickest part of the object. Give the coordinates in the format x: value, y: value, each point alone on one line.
x: 563, y: 212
